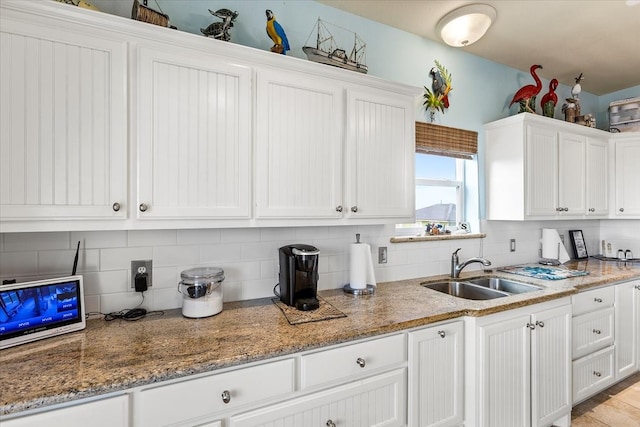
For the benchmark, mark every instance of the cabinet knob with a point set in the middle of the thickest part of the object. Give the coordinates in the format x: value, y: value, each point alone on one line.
x: 339, y: 208
x: 597, y: 374
x: 540, y: 323
x: 143, y: 207
x: 621, y: 209
x: 531, y: 326
x: 597, y: 331
x: 592, y: 210
x: 442, y: 334
x: 597, y: 299
x: 637, y: 287
x: 566, y: 209
x: 354, y: 209
x: 558, y: 209
x: 226, y: 396
x: 330, y: 423
x: 361, y: 362
x: 116, y: 207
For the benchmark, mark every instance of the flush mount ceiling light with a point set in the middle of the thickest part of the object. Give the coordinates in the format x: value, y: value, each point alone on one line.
x: 466, y: 25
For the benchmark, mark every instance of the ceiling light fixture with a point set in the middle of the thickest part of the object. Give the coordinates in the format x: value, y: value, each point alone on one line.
x: 466, y: 25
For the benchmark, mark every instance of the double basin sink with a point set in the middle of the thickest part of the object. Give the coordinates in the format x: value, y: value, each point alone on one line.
x: 481, y: 288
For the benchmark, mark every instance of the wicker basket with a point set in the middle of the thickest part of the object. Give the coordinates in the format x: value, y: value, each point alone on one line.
x: 143, y: 13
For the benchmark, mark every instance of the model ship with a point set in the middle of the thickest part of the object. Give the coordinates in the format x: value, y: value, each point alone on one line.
x: 326, y: 51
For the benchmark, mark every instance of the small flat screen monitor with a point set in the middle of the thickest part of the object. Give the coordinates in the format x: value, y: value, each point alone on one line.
x: 35, y: 310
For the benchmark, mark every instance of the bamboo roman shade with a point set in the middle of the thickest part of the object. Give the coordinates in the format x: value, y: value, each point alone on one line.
x: 446, y: 141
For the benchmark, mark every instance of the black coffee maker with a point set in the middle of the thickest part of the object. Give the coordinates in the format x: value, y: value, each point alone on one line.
x: 299, y: 276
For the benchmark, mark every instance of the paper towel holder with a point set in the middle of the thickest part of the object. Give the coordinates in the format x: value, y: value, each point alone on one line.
x: 367, y: 290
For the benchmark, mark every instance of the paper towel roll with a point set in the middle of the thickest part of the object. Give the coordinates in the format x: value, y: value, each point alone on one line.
x: 361, y: 269
x: 552, y: 247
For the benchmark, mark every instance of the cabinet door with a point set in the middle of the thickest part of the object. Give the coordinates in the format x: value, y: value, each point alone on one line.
x: 299, y: 140
x: 436, y: 376
x: 541, y: 171
x: 504, y: 373
x: 380, y: 155
x: 626, y: 328
x: 571, y: 174
x: 551, y: 365
x: 597, y: 178
x: 627, y: 185
x: 102, y: 413
x: 194, y: 137
x: 377, y: 401
x: 64, y: 115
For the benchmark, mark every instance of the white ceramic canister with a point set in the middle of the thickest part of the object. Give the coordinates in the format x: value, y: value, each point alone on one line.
x: 201, y: 289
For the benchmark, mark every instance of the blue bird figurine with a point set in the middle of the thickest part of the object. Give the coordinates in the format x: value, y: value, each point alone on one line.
x: 276, y: 33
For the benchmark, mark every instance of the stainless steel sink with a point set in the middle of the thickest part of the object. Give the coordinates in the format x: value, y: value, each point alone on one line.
x: 465, y: 290
x: 504, y: 285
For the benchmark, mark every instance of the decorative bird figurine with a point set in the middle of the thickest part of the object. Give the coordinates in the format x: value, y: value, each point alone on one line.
x: 439, y: 86
x: 576, y: 89
x: 550, y: 100
x: 276, y: 33
x: 526, y: 95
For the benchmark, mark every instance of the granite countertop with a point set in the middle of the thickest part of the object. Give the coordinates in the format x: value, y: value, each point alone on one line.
x: 113, y: 356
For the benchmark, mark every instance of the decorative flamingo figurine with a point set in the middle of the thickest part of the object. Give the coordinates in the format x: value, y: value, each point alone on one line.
x: 526, y: 95
x: 550, y: 99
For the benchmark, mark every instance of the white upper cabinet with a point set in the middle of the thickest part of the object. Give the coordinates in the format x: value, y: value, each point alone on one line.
x: 64, y: 115
x: 627, y: 176
x: 298, y: 146
x: 539, y: 168
x: 380, y: 155
x: 193, y: 139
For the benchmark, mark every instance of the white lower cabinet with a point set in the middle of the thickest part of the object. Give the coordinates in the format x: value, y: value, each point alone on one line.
x: 593, y: 373
x: 436, y: 380
x: 200, y: 401
x: 109, y: 412
x: 521, y: 367
x: 627, y: 328
x: 374, y: 401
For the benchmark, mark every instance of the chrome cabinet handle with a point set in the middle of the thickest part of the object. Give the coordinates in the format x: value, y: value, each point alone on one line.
x: 621, y: 209
x: 354, y: 209
x: 637, y: 287
x: 597, y: 331
x: 361, y: 362
x: 116, y: 207
x: 597, y: 299
x: 226, y: 396
x: 143, y: 207
x: 558, y: 209
x: 592, y: 210
x: 597, y: 374
x: 442, y: 334
x: 330, y: 423
x: 339, y: 208
x: 540, y: 323
x: 531, y: 326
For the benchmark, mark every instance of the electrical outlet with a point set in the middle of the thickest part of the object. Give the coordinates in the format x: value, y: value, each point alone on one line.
x: 382, y: 255
x: 141, y: 267
x: 513, y: 245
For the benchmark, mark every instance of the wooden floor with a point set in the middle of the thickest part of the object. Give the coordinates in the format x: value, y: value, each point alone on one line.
x: 618, y: 406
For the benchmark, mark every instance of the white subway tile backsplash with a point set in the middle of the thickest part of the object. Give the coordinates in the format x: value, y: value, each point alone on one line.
x: 91, y: 304
x: 120, y: 258
x: 152, y: 238
x: 164, y: 256
x: 14, y: 242
x: 99, y: 239
x: 249, y: 257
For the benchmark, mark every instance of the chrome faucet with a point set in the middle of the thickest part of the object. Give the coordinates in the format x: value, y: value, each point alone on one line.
x: 457, y: 268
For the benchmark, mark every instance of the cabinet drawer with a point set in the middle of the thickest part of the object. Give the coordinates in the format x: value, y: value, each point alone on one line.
x: 592, y: 374
x: 596, y: 299
x: 355, y: 359
x: 374, y: 401
x: 192, y: 399
x: 592, y: 332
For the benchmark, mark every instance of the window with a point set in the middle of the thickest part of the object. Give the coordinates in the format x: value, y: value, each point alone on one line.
x: 439, y: 194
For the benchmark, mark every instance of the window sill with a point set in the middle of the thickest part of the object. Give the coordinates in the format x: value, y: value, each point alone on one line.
x: 407, y: 239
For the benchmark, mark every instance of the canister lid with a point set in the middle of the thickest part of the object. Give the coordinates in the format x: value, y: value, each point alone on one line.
x: 203, y: 274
